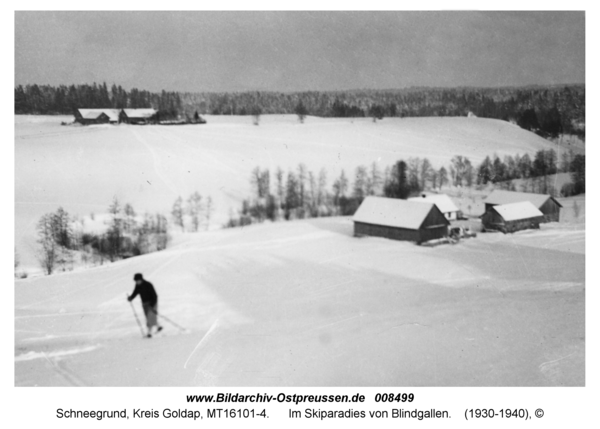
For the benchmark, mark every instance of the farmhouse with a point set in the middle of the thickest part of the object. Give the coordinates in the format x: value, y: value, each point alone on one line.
x: 512, y: 217
x: 96, y: 116
x: 138, y: 116
x: 442, y: 201
x: 400, y: 220
x: 544, y: 203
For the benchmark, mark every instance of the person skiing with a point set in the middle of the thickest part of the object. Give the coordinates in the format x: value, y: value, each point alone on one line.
x: 149, y: 299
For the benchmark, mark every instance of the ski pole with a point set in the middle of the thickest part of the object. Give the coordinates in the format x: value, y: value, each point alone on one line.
x: 136, y: 316
x: 170, y: 321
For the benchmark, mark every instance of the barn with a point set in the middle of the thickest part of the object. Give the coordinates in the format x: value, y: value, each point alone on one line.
x: 544, y: 203
x: 512, y: 217
x: 138, y: 116
x: 400, y: 220
x: 442, y: 201
x: 96, y: 116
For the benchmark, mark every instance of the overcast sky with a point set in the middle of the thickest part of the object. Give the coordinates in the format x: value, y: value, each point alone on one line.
x: 290, y: 51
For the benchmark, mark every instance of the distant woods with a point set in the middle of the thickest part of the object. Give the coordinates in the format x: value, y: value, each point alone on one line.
x: 547, y: 111
x: 63, y: 100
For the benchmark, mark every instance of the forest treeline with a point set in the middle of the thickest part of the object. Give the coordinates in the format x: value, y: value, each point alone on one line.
x: 546, y: 110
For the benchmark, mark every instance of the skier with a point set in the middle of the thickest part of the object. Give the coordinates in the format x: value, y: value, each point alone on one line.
x: 149, y: 298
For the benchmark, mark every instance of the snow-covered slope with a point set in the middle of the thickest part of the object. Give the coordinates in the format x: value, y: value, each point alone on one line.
x: 305, y: 303
x: 83, y: 168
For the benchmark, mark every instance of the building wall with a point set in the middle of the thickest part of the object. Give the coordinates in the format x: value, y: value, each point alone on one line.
x: 402, y: 234
x: 551, y: 211
x: 491, y: 220
x: 434, y: 226
x: 521, y: 224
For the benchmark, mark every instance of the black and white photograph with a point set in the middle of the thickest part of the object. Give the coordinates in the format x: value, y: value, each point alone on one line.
x: 324, y: 199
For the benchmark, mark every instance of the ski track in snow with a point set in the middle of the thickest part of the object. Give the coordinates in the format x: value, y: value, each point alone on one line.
x: 55, y: 354
x: 205, y: 338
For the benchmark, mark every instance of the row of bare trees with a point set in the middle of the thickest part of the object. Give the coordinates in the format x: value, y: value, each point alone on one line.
x: 196, y: 210
x: 301, y: 193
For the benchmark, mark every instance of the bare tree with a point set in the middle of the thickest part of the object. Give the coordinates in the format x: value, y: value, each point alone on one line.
x: 292, y: 199
x: 340, y: 187
x: 374, y: 180
x: 360, y: 183
x: 426, y: 171
x: 302, y: 177
x: 414, y: 170
x: 54, y: 235
x: 208, y: 210
x: 255, y: 179
x: 194, y: 209
x: 177, y: 212
x: 114, y: 234
x: 129, y: 224
x: 49, y: 252
x: 280, y: 189
x: 321, y: 187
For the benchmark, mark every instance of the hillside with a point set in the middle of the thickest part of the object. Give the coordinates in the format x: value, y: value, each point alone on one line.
x: 304, y: 303
x: 83, y: 168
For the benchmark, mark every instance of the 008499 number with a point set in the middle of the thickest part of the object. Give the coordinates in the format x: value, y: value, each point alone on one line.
x: 394, y: 397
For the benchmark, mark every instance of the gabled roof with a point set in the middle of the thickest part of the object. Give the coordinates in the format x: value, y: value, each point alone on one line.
x: 393, y: 212
x: 507, y: 197
x: 140, y: 113
x: 442, y: 201
x: 113, y: 114
x: 517, y: 211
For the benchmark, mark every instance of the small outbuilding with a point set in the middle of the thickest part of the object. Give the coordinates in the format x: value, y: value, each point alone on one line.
x: 548, y: 205
x: 442, y: 201
x: 512, y: 217
x: 400, y: 220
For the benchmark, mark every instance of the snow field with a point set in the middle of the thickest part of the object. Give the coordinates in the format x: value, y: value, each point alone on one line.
x: 83, y: 168
x: 305, y: 303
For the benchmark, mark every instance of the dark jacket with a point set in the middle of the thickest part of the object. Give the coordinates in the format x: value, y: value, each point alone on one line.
x: 146, y: 292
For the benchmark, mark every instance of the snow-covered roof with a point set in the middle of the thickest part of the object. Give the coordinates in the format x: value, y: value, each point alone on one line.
x: 113, y: 114
x: 140, y: 113
x: 507, y: 197
x: 516, y: 211
x: 442, y: 201
x: 392, y: 212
